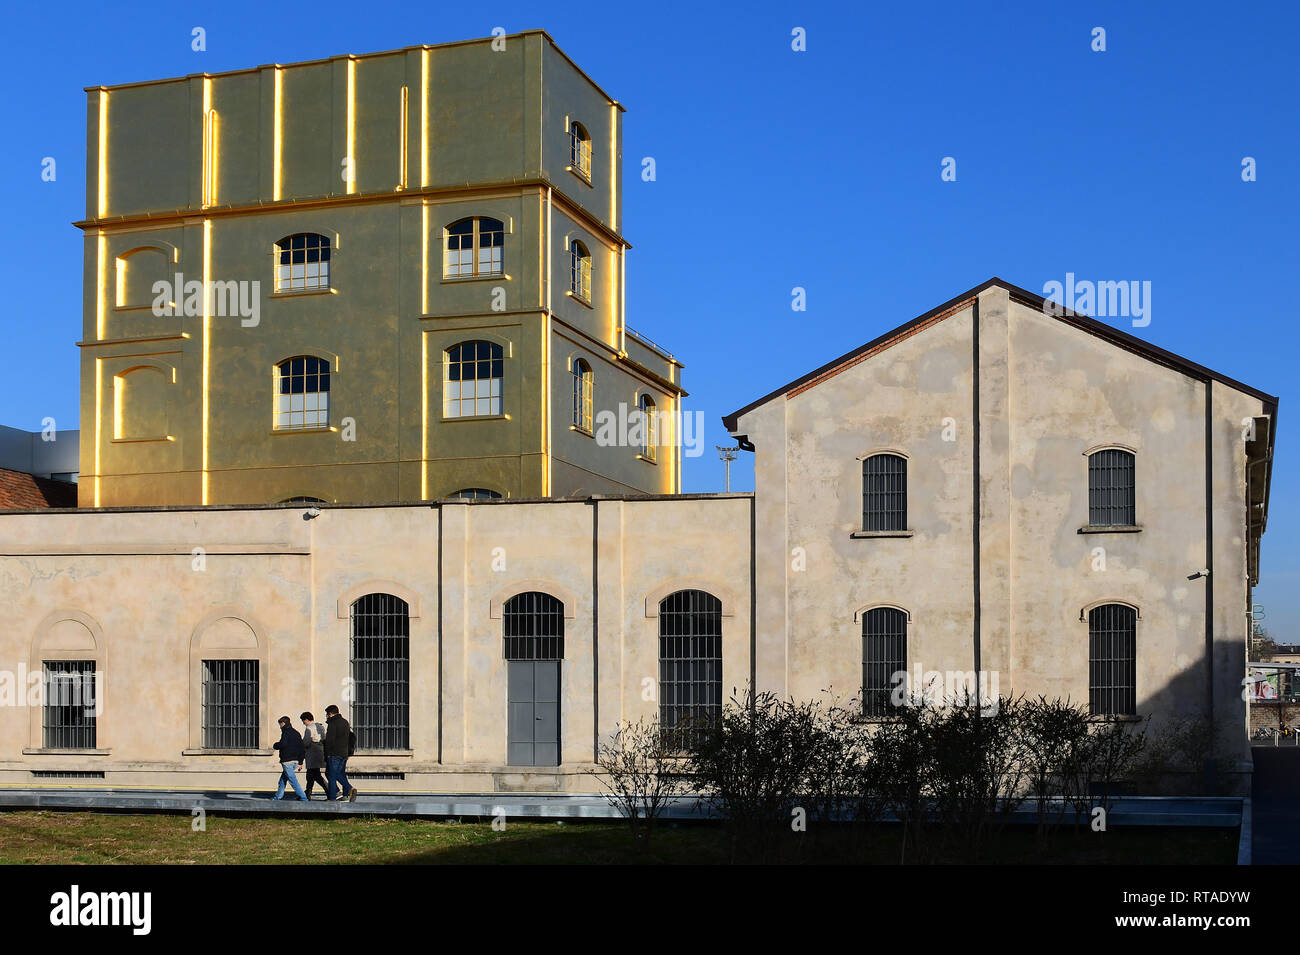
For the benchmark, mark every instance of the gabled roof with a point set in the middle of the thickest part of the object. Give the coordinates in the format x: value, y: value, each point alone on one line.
x: 1106, y: 332
x: 19, y: 489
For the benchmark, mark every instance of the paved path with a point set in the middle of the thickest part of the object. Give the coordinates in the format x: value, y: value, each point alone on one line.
x: 1130, y: 811
x: 1275, y: 805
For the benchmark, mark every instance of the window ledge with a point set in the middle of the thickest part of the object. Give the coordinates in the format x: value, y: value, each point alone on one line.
x: 27, y: 751
x: 646, y: 458
x: 579, y: 299
x: 1117, y: 718
x: 293, y: 293
x: 157, y: 438
x: 383, y: 752
x: 579, y: 429
x: 227, y: 752
x: 1110, y: 529
x: 583, y: 176
x: 453, y: 279
x: 860, y: 535
x: 303, y: 430
x: 475, y: 417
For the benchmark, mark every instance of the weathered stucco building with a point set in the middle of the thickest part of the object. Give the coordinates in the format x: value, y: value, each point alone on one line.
x: 993, y: 488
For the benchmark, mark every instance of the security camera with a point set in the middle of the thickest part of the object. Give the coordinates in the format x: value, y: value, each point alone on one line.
x: 1203, y: 572
x: 310, y: 513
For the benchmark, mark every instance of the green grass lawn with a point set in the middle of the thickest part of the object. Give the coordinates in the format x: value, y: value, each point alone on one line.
x: 105, y: 838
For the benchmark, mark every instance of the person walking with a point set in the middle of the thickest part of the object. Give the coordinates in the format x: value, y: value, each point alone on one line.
x: 338, y: 747
x: 291, y: 756
x: 313, y: 738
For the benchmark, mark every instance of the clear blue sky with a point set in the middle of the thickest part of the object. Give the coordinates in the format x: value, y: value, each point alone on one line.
x: 779, y: 169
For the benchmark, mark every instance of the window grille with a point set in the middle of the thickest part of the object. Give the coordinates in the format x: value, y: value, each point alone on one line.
x: 381, y: 630
x: 230, y: 704
x: 1112, y: 660
x: 884, y: 493
x: 884, y: 653
x: 475, y: 494
x: 1111, y: 489
x: 534, y: 627
x: 69, y: 704
x: 690, y: 666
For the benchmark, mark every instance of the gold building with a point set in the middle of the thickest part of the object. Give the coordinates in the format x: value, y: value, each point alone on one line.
x: 397, y: 276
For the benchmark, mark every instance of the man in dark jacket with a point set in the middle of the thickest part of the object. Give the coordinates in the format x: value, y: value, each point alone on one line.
x: 292, y: 752
x: 338, y: 747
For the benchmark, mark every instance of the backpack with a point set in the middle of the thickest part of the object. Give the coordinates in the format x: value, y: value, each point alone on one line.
x: 352, y: 743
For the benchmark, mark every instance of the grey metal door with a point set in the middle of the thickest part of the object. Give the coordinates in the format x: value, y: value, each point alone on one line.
x: 534, y: 713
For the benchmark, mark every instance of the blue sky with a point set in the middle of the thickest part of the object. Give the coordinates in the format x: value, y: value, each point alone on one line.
x: 777, y: 169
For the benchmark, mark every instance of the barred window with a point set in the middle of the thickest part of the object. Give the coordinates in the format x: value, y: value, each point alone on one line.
x: 69, y: 705
x: 230, y: 704
x: 1112, y: 660
x: 582, y: 398
x: 475, y: 494
x: 1111, y: 489
x: 884, y: 493
x: 649, y: 427
x: 474, y: 246
x: 534, y: 627
x: 690, y: 665
x: 884, y: 653
x: 579, y: 270
x: 303, y: 500
x: 579, y: 149
x: 474, y: 376
x: 381, y: 663
x: 302, y: 393
x: 302, y: 262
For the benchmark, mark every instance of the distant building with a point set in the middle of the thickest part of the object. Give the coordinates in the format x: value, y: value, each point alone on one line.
x: 37, y: 469
x: 415, y: 267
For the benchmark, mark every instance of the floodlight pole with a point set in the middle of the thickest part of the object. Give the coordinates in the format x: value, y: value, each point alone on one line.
x: 727, y: 455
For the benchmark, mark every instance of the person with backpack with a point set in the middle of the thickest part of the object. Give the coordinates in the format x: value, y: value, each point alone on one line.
x: 313, y: 738
x: 291, y: 756
x: 340, y: 743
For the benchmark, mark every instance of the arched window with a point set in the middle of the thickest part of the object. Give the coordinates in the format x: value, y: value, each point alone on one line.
x: 381, y: 662
x: 1111, y: 488
x: 690, y: 665
x: 884, y: 493
x: 302, y: 393
x: 533, y: 646
x: 579, y: 270
x: 475, y: 494
x: 473, y: 383
x: 473, y: 246
x: 645, y: 405
x: 884, y: 653
x: 534, y: 627
x: 579, y: 150
x: 302, y: 262
x: 582, y: 399
x: 1112, y: 660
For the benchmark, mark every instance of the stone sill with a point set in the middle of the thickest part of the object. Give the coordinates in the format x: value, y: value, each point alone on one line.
x: 228, y: 752
x: 862, y: 535
x: 66, y: 752
x: 1110, y: 529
